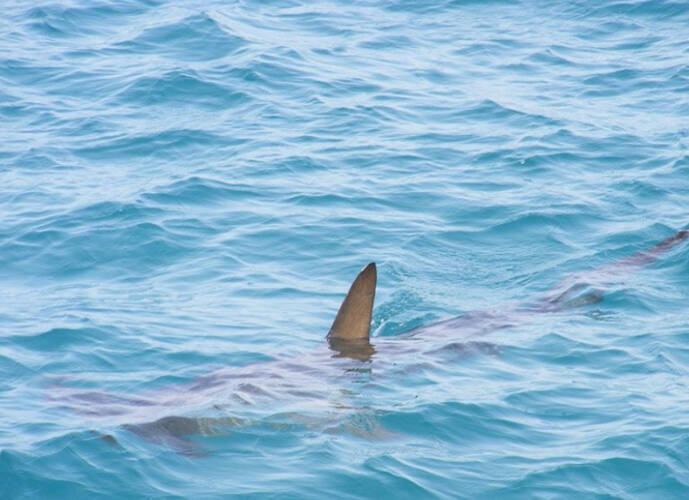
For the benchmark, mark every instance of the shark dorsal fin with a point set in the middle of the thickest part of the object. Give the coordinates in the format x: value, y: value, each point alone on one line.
x: 353, y: 320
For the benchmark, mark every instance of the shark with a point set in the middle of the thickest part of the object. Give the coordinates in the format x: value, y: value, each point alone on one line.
x: 349, y: 334
x: 315, y: 379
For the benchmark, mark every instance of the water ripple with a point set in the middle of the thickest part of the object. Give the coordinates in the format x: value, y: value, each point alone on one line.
x: 188, y: 189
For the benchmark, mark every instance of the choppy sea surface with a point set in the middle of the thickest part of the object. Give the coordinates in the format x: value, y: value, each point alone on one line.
x: 188, y: 188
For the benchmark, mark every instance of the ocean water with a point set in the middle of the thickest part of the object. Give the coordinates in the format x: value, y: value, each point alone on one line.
x: 188, y: 188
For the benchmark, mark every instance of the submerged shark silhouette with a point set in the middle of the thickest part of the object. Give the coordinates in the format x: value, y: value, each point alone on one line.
x: 348, y: 338
x: 349, y: 334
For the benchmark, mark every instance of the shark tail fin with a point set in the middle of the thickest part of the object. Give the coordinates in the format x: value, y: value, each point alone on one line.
x: 353, y: 320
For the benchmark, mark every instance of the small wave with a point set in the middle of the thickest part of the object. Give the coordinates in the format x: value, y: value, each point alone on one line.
x: 493, y: 111
x: 422, y: 7
x: 201, y: 191
x: 604, y: 477
x: 181, y: 87
x: 193, y: 38
x: 60, y: 339
x: 663, y: 9
x: 157, y: 145
x: 94, y: 238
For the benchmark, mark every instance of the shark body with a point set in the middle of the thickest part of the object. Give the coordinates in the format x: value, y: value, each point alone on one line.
x: 350, y: 335
x: 317, y: 376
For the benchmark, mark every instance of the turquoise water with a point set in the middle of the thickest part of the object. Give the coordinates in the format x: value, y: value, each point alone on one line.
x: 188, y: 188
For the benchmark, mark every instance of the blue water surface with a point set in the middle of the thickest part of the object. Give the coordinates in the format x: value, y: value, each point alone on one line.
x: 188, y: 188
